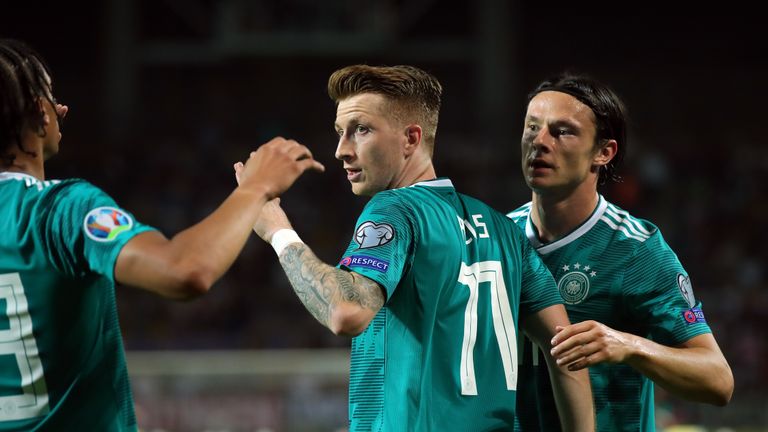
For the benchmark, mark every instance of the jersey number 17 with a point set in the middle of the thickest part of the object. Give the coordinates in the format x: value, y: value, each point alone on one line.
x: 472, y: 276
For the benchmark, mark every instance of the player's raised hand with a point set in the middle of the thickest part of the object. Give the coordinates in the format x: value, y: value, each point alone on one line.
x: 589, y: 342
x: 275, y: 166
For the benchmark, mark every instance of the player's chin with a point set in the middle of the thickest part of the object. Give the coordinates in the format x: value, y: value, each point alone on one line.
x: 363, y: 189
x: 357, y: 188
x: 50, y: 151
x: 536, y: 183
x: 542, y: 183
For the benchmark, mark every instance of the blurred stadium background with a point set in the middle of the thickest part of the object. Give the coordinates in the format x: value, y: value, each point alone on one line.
x: 165, y: 95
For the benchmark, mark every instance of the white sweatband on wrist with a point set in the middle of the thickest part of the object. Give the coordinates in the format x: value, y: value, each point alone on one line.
x: 282, y: 238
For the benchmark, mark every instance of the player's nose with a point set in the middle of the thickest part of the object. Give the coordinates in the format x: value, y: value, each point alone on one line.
x: 345, y: 149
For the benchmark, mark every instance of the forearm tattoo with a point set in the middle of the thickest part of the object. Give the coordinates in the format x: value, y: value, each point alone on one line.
x: 321, y: 287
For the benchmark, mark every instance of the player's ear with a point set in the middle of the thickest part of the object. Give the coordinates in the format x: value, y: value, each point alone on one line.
x: 40, y: 122
x: 41, y: 101
x: 413, y: 134
x: 606, y: 150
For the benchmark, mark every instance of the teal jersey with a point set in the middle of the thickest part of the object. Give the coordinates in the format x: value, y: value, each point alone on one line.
x: 441, y: 355
x: 62, y: 365
x: 618, y: 270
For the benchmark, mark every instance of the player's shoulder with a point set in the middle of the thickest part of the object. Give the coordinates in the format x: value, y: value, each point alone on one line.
x: 72, y: 187
x: 393, y: 198
x: 26, y: 181
x: 480, y: 205
x: 68, y: 196
x: 477, y: 206
x: 36, y: 186
x: 640, y: 232
x: 521, y: 213
x: 424, y: 193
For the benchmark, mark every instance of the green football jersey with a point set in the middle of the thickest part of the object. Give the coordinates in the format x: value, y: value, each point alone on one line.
x: 441, y: 355
x: 62, y: 366
x: 618, y: 270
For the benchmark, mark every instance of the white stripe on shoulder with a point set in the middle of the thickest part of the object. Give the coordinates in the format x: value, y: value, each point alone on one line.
x: 626, y: 224
x: 8, y: 175
x: 47, y: 183
x: 28, y: 180
x: 623, y: 229
x: 619, y: 221
x: 631, y: 220
x: 523, y: 211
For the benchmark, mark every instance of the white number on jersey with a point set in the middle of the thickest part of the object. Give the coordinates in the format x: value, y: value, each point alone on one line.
x: 17, y: 340
x: 503, y: 323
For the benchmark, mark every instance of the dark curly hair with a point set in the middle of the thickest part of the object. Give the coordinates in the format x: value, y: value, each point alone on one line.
x: 24, y: 79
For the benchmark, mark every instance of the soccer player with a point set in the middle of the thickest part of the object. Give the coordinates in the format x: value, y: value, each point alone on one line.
x: 432, y: 283
x: 64, y: 243
x: 636, y: 320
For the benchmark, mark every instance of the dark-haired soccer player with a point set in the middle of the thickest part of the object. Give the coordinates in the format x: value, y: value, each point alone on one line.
x: 64, y: 243
x: 636, y: 320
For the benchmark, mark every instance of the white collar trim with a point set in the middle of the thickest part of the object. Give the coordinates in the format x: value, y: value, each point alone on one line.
x: 9, y: 175
x: 530, y: 230
x: 434, y: 183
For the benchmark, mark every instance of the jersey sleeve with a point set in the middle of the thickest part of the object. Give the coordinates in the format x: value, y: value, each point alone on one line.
x: 659, y: 296
x: 85, y: 228
x: 382, y: 245
x: 539, y: 289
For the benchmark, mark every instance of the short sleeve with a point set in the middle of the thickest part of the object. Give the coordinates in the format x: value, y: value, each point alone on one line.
x: 659, y: 295
x: 382, y: 244
x: 85, y: 229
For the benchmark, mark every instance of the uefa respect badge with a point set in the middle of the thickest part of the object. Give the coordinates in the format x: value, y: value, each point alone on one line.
x: 364, y: 261
x: 104, y: 224
x: 694, y: 315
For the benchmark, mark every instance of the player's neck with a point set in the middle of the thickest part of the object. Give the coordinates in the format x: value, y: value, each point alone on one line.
x: 416, y: 170
x: 28, y: 162
x: 556, y: 215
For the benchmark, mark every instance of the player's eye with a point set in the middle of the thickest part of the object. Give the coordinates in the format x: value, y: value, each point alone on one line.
x: 360, y: 129
x: 562, y: 131
x: 530, y: 130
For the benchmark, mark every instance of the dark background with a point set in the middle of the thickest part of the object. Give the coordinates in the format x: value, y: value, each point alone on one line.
x: 165, y: 95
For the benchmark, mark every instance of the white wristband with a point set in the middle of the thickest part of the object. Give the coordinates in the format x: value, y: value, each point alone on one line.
x: 282, y: 238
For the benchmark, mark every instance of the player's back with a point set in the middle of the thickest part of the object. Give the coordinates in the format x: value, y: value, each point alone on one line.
x: 61, y: 361
x: 447, y: 336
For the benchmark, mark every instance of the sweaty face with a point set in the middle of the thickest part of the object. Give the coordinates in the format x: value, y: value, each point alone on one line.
x: 370, y: 144
x: 558, y: 143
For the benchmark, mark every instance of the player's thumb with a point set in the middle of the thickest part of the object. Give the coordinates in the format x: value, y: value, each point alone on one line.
x: 238, y: 171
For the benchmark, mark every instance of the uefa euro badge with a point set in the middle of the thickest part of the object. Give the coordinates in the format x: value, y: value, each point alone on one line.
x: 370, y: 234
x: 104, y: 224
x: 684, y: 283
x: 574, y: 284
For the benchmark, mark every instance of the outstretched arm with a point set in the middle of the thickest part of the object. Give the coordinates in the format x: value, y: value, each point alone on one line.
x: 189, y: 263
x: 695, y: 370
x: 572, y: 389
